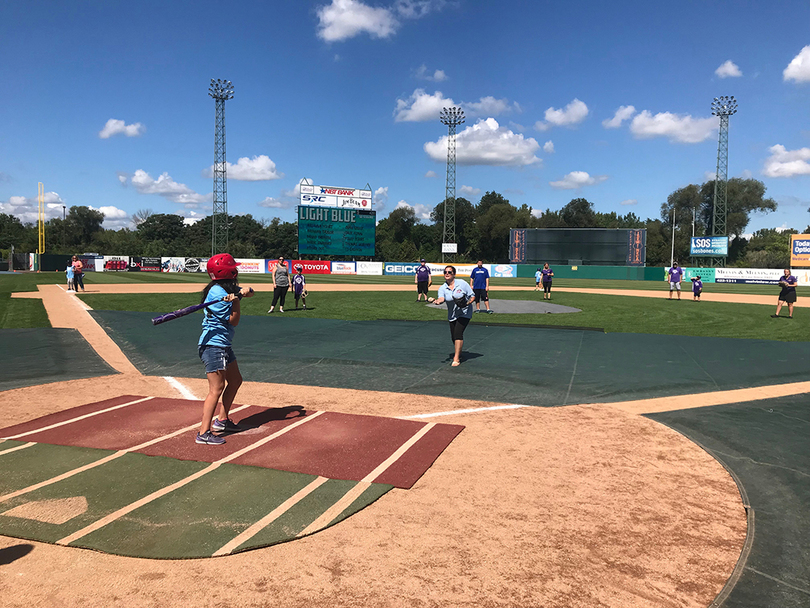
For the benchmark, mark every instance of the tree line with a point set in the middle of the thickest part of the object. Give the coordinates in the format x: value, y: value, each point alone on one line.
x: 482, y: 230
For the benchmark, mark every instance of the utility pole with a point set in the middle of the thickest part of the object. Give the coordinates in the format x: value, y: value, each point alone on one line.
x: 724, y: 107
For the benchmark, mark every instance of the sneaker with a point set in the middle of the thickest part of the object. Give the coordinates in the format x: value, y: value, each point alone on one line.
x: 224, y: 425
x: 281, y: 310
x: 305, y: 306
x: 490, y: 311
x: 209, y: 438
x: 774, y: 316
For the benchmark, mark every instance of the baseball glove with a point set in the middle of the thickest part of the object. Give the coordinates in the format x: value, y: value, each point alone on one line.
x: 460, y: 301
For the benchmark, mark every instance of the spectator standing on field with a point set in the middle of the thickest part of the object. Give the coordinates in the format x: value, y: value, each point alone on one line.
x: 697, y: 288
x: 675, y: 274
x: 70, y: 277
x: 538, y: 276
x: 78, y: 273
x: 788, y: 293
x: 422, y: 280
x: 281, y: 284
x: 548, y: 274
x: 299, y: 284
x: 479, y: 277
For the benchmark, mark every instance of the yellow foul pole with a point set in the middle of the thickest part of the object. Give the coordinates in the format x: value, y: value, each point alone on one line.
x: 40, y: 224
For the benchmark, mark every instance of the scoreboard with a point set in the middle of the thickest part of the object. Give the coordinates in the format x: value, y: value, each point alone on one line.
x: 336, y: 231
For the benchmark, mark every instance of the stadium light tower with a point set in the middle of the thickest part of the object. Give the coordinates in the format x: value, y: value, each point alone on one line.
x: 452, y: 117
x: 221, y: 91
x: 724, y: 107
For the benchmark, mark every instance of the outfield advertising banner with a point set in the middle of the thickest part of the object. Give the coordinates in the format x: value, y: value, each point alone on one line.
x: 328, y: 196
x: 344, y: 268
x: 756, y: 276
x: 803, y: 276
x: 92, y: 263
x: 710, y: 246
x: 270, y: 265
x: 144, y: 264
x: 183, y: 264
x: 502, y: 270
x: 314, y: 266
x: 437, y: 270
x: 250, y: 266
x: 330, y: 231
x: 116, y: 263
x: 800, y: 249
x: 370, y: 268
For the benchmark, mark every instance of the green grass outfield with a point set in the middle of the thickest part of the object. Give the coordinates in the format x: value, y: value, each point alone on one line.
x: 611, y: 313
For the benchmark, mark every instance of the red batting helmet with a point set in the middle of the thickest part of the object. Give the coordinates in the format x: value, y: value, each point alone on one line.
x: 222, y: 266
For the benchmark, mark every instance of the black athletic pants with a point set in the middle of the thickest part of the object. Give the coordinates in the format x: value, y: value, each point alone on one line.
x: 280, y: 293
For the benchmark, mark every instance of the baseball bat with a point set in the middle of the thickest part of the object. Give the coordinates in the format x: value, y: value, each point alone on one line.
x: 176, y: 314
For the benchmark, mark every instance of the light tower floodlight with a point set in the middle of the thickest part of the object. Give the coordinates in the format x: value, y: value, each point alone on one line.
x: 221, y: 91
x: 452, y: 117
x: 723, y: 107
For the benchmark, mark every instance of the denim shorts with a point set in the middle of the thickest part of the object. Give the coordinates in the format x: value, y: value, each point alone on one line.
x: 216, y: 358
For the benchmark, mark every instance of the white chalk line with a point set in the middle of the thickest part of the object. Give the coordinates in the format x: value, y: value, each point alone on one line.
x: 181, y: 388
x: 511, y: 406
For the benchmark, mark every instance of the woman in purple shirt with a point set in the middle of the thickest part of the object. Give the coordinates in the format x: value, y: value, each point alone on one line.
x: 788, y: 293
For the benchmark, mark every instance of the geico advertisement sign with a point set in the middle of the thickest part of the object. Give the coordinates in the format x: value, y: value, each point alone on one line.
x: 343, y: 268
x: 250, y: 266
x: 313, y: 266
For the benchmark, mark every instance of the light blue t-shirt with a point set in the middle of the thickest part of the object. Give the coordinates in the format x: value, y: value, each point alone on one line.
x: 460, y: 287
x: 216, y: 328
x: 537, y: 276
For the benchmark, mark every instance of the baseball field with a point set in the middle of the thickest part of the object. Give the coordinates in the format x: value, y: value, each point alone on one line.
x: 639, y: 452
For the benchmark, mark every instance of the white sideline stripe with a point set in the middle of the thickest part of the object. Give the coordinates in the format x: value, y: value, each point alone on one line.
x: 60, y: 287
x: 178, y: 484
x: 513, y: 406
x: 19, y: 447
x: 181, y: 388
x: 99, y: 462
x: 77, y: 419
x: 354, y: 493
x: 336, y: 509
x: 271, y: 517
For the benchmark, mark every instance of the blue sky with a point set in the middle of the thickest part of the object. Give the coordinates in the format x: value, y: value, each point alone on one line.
x: 106, y: 102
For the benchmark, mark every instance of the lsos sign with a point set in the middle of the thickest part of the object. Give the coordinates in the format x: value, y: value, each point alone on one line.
x: 709, y: 246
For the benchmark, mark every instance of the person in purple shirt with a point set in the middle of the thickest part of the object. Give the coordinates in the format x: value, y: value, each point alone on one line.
x: 674, y: 274
x: 788, y: 293
x: 697, y: 288
x: 422, y: 280
x: 548, y: 274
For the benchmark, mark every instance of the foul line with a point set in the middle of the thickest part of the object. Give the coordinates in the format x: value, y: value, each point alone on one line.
x: 270, y: 517
x: 101, y: 461
x: 19, y: 447
x: 181, y: 388
x: 511, y: 406
x: 77, y: 419
x: 179, y: 484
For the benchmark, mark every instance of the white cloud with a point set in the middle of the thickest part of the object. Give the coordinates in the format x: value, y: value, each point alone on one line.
x: 787, y: 163
x: 380, y: 198
x: 422, y: 211
x: 572, y: 114
x: 798, y: 70
x: 166, y: 187
x: 675, y: 127
x: 487, y: 143
x: 629, y: 201
x: 470, y: 191
x: 256, y: 169
x: 538, y: 213
x: 344, y: 19
x: 728, y: 70
x: 548, y: 147
x: 622, y: 114
x: 27, y: 209
x: 577, y: 179
x: 421, y: 106
x: 276, y: 203
x: 192, y: 217
x: 114, y: 127
x: 437, y: 76
x: 114, y: 218
x: 123, y: 177
x: 431, y: 174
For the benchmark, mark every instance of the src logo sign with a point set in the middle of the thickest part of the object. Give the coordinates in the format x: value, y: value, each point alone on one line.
x: 312, y: 198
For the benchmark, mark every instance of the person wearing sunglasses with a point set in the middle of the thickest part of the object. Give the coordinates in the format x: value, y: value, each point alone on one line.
x: 459, y: 296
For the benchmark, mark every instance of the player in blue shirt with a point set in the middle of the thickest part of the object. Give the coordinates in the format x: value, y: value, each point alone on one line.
x: 674, y: 275
x: 218, y: 326
x: 788, y: 293
x: 479, y: 277
x: 459, y: 298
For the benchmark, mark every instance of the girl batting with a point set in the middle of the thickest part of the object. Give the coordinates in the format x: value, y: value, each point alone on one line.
x: 214, y: 347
